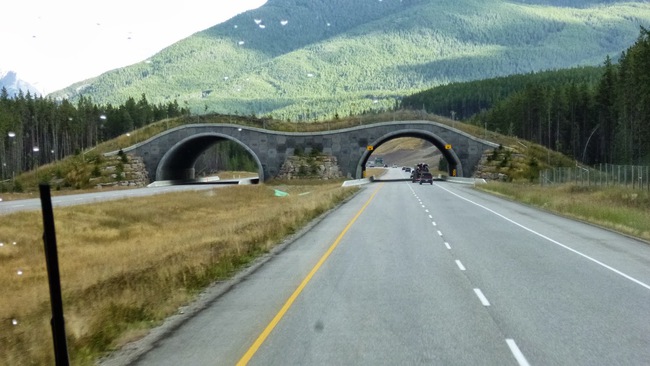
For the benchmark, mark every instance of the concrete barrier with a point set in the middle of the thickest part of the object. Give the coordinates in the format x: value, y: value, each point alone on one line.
x: 358, y: 182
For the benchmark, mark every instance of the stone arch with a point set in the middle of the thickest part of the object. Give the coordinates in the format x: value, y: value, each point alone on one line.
x: 178, y: 162
x: 166, y: 151
x: 453, y: 161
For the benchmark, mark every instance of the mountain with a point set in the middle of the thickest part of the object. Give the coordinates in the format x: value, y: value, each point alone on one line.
x: 10, y: 81
x: 309, y: 59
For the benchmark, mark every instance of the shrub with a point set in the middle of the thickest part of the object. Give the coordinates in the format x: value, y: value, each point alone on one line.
x: 315, y: 152
x: 18, y: 187
x: 123, y: 157
x: 97, y: 172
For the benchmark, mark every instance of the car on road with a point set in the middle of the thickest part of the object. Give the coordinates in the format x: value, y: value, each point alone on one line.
x: 426, y: 177
x: 407, y: 169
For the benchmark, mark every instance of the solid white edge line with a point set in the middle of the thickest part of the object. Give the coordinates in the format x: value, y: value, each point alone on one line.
x: 517, y: 353
x: 460, y: 265
x: 481, y: 297
x: 553, y: 241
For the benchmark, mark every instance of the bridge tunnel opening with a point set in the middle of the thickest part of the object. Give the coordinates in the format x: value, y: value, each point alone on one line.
x: 407, y: 149
x: 209, y: 157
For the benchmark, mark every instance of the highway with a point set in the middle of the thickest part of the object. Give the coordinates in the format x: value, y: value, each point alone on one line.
x: 427, y: 274
x: 7, y: 207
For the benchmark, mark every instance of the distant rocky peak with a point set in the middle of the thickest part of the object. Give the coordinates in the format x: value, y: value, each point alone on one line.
x: 10, y: 80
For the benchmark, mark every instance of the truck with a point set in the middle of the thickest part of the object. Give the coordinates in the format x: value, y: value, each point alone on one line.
x: 420, y: 169
x: 426, y: 177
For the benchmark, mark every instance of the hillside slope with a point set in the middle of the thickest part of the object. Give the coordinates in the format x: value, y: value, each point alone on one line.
x: 303, y: 60
x: 407, y: 151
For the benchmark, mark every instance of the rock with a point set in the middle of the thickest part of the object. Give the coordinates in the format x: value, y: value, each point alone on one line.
x: 310, y: 167
x: 134, y: 173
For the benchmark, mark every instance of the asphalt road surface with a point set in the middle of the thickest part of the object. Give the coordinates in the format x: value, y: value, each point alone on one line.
x: 7, y: 207
x: 407, y: 274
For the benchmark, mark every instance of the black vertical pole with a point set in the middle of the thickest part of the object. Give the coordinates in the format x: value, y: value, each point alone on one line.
x: 52, y: 261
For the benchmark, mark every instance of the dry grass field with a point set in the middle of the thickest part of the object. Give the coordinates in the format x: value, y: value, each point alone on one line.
x: 127, y: 265
x: 621, y: 209
x: 375, y: 172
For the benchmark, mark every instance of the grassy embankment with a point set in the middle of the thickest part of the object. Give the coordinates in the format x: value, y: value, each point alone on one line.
x: 127, y: 265
x: 621, y: 209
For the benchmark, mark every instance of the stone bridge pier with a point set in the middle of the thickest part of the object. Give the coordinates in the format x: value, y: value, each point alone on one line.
x: 171, y: 155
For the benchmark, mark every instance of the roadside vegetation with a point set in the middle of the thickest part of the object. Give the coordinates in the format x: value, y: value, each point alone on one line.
x: 620, y: 209
x: 127, y: 265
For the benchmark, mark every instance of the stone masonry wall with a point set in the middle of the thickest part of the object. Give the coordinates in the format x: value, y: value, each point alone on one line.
x: 307, y: 167
x: 133, y: 173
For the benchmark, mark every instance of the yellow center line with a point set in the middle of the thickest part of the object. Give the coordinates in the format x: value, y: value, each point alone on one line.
x: 269, y: 328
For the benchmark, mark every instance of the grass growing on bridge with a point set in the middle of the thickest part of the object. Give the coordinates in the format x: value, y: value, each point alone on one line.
x: 127, y: 265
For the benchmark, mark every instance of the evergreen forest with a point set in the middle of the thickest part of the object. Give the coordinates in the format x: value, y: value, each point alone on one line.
x: 595, y: 115
x: 37, y: 130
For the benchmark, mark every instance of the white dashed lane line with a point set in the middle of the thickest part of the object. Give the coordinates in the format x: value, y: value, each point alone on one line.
x: 602, y: 264
x: 481, y: 297
x: 460, y: 265
x: 517, y: 353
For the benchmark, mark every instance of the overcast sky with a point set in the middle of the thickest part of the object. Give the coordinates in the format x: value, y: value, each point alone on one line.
x: 52, y: 44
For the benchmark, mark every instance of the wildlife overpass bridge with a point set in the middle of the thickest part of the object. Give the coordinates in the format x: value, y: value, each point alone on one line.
x: 171, y: 155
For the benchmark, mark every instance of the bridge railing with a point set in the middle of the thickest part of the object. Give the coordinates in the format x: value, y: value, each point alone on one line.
x: 630, y: 176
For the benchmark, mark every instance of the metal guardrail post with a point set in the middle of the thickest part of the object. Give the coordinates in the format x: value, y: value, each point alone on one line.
x: 52, y: 261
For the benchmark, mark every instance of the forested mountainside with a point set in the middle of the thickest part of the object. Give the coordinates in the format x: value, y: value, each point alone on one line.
x: 311, y: 59
x: 465, y: 99
x: 593, y: 114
